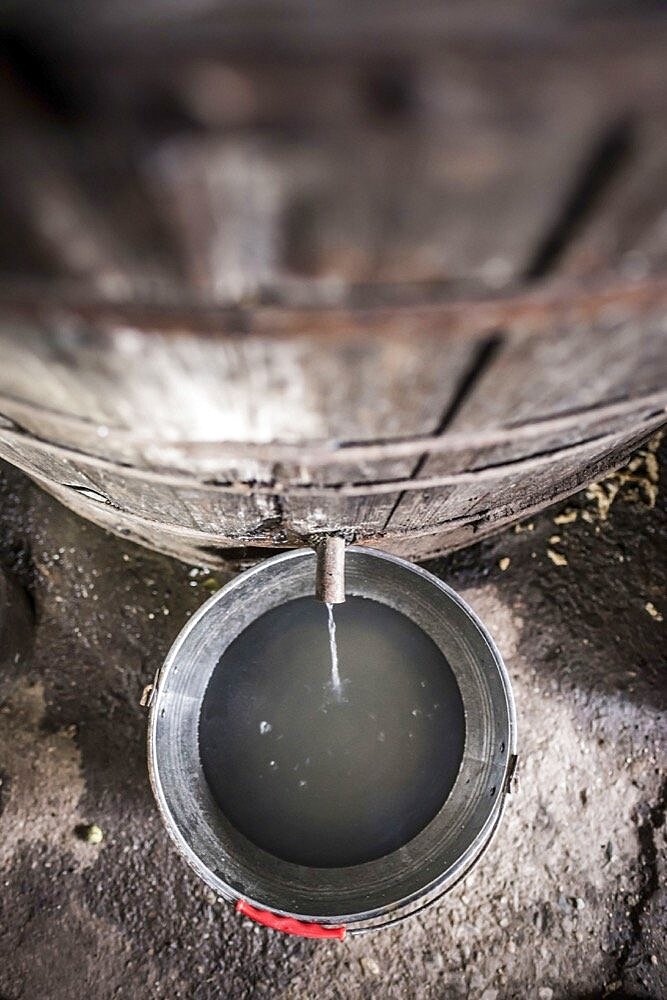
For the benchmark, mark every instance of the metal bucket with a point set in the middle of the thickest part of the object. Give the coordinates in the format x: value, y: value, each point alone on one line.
x: 329, y: 901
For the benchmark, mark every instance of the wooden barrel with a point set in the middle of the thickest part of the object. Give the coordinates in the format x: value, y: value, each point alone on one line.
x: 250, y: 299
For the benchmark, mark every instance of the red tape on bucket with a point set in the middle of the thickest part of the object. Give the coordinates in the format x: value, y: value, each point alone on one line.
x: 288, y: 925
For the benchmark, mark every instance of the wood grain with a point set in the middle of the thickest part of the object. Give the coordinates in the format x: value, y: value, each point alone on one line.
x: 407, y: 294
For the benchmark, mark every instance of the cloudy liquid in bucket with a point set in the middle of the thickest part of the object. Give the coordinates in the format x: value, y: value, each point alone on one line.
x: 331, y: 764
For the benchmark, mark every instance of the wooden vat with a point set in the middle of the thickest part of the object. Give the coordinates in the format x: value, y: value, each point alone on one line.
x: 409, y: 296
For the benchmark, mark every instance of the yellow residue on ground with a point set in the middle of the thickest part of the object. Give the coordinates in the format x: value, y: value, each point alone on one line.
x: 567, y: 517
x: 635, y: 482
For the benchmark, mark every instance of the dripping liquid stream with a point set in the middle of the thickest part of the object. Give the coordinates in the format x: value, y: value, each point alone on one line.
x: 333, y: 650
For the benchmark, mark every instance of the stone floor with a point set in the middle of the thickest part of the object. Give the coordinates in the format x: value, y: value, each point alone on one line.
x: 569, y: 901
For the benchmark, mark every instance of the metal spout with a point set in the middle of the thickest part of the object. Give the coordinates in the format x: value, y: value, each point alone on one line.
x: 330, y: 572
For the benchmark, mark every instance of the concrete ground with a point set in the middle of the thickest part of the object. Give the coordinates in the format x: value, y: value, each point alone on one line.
x: 570, y: 899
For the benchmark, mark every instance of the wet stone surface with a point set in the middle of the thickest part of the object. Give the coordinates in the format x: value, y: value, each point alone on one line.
x: 569, y: 900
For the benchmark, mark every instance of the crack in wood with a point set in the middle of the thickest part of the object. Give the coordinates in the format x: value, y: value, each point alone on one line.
x: 331, y: 453
x: 248, y: 488
x: 606, y: 160
x: 482, y: 359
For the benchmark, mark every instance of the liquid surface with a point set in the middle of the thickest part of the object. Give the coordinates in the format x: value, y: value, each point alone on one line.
x: 330, y: 777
